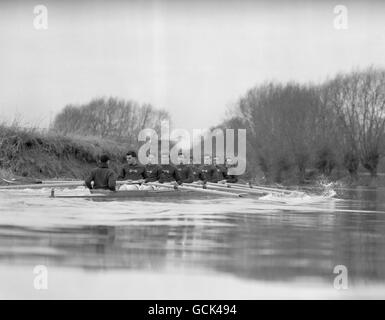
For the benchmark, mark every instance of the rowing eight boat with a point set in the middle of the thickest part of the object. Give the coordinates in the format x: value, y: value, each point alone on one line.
x: 161, y: 190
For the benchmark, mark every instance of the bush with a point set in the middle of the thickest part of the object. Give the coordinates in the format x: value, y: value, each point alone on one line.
x: 325, y: 162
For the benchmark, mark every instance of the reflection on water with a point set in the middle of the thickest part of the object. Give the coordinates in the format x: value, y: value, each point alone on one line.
x: 240, y: 237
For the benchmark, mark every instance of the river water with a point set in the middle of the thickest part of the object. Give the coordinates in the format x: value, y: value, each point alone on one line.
x: 193, y: 249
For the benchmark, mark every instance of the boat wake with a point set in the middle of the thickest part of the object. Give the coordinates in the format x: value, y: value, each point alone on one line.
x: 297, y: 197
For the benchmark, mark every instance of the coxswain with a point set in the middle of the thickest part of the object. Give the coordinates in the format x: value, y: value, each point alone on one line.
x: 102, y: 177
x: 185, y: 171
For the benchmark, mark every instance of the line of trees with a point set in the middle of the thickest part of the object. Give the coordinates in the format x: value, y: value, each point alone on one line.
x: 110, y: 118
x: 294, y: 127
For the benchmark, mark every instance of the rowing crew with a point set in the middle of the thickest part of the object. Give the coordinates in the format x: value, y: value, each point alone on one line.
x: 137, y: 174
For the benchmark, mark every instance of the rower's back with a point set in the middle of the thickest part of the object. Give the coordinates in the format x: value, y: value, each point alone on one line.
x: 103, y: 177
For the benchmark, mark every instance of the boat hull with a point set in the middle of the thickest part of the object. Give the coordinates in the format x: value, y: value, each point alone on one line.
x: 105, y: 195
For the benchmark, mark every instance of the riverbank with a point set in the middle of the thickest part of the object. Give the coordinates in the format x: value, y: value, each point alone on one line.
x: 29, y: 153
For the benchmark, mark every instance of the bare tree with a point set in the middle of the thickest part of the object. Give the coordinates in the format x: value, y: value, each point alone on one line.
x: 109, y: 118
x: 359, y: 101
x: 280, y: 122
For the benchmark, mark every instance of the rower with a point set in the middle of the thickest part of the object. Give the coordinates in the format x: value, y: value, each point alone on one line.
x: 132, y: 171
x: 102, y: 177
x: 208, y: 172
x: 152, y: 169
x: 221, y: 170
x: 195, y: 169
x: 169, y: 173
x: 153, y: 172
x: 185, y: 171
x: 231, y: 178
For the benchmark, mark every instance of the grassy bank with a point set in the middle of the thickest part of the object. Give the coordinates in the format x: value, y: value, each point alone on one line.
x: 31, y: 153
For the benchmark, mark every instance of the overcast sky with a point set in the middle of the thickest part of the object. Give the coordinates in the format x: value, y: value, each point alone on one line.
x: 193, y: 58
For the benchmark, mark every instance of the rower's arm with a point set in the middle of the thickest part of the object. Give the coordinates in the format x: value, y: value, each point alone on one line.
x: 158, y: 173
x: 225, y: 173
x: 89, y: 179
x: 177, y: 176
x: 161, y: 178
x: 112, y: 182
x: 232, y: 179
x: 214, y: 175
x: 122, y: 174
x: 190, y: 176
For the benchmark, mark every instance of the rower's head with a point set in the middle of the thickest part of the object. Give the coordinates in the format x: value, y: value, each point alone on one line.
x: 216, y: 160
x: 131, y: 157
x: 207, y: 159
x: 181, y: 158
x: 104, y: 159
x: 164, y: 158
x: 151, y: 158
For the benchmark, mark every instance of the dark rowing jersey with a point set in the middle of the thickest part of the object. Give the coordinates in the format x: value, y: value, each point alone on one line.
x: 221, y: 172
x: 132, y: 172
x: 169, y: 173
x: 153, y: 172
x: 208, y: 173
x: 103, y: 178
x: 195, y: 170
x: 185, y: 173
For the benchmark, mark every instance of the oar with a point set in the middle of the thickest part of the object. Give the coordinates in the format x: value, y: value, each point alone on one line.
x: 221, y: 189
x: 235, y: 188
x: 64, y: 182
x: 130, y: 182
x: 41, y: 185
x: 57, y: 185
x: 226, y: 188
x: 207, y: 191
x: 250, y: 186
x: 15, y: 181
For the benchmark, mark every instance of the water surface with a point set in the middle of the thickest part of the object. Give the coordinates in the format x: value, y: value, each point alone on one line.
x: 199, y: 248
